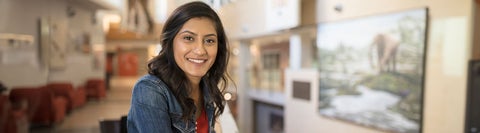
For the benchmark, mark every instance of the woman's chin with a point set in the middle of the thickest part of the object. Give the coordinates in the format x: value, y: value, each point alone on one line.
x: 196, y: 74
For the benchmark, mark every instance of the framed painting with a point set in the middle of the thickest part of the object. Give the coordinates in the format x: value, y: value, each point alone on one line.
x: 52, y: 43
x: 57, y: 46
x: 372, y: 70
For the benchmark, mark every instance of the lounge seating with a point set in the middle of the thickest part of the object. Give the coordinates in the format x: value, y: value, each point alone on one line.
x: 65, y: 90
x: 95, y: 88
x: 75, y: 97
x: 44, y: 108
x: 80, y: 96
x: 13, y: 116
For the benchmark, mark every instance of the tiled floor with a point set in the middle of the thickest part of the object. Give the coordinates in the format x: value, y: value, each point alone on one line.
x: 86, y: 118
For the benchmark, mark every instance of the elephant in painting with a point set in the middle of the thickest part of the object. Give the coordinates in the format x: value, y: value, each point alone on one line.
x: 386, y: 47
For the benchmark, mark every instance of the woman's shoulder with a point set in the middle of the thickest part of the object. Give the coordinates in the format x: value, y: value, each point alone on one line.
x: 150, y: 81
x: 150, y: 84
x: 149, y: 89
x: 150, y: 78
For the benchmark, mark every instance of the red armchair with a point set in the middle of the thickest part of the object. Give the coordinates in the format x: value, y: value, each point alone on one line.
x: 13, y: 116
x: 80, y: 96
x: 43, y: 106
x: 75, y: 97
x: 64, y: 90
x: 6, y: 125
x: 95, y: 88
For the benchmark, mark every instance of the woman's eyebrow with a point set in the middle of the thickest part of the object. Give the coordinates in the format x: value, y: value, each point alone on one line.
x: 195, y: 34
x: 188, y: 32
x: 214, y: 35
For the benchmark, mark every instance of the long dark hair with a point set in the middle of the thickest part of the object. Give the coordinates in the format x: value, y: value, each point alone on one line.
x: 164, y: 67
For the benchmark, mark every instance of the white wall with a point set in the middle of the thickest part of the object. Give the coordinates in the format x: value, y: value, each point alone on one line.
x: 21, y: 17
x: 244, y: 18
x: 20, y: 14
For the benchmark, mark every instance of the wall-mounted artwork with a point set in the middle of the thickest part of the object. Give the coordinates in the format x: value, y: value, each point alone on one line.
x: 52, y: 43
x: 57, y: 45
x: 372, y: 70
x: 17, y: 49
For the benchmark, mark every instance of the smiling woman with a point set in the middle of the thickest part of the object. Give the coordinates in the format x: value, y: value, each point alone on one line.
x: 181, y: 92
x: 195, y: 48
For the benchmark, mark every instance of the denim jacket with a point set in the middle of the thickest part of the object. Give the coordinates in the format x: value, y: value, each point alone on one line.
x: 154, y: 109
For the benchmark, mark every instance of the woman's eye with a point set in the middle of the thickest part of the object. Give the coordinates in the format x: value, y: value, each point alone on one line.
x: 210, y: 41
x: 189, y: 38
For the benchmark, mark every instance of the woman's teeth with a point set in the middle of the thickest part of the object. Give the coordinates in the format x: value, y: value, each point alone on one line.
x: 196, y: 60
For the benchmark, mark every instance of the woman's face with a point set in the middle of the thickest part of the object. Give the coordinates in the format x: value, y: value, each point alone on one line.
x: 195, y: 47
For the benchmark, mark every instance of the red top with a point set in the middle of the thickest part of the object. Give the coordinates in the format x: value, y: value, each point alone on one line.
x: 202, y: 123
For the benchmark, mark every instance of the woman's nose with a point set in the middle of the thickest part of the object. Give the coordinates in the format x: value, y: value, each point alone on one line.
x: 199, y: 49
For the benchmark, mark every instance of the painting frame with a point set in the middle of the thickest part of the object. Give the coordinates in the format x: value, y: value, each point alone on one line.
x: 384, y: 62
x: 472, y: 111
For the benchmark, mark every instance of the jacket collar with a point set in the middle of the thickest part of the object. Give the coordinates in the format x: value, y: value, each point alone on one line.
x: 208, y: 101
